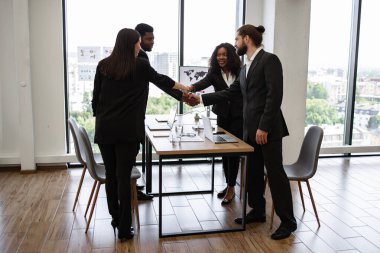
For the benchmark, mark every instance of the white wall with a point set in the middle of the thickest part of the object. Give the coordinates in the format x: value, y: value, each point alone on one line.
x: 287, y: 25
x: 286, y: 21
x: 38, y: 51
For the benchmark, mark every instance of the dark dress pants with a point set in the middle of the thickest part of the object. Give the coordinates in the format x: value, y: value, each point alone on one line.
x: 231, y: 163
x: 119, y: 160
x: 269, y: 155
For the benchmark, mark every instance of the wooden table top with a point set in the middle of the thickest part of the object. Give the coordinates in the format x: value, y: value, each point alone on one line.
x: 163, y: 146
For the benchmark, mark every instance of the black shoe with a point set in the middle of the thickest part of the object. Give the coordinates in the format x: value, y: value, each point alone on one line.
x: 222, y: 193
x: 114, y: 224
x: 227, y: 201
x: 251, y: 219
x: 129, y: 235
x: 140, y: 187
x: 283, y: 232
x: 143, y: 196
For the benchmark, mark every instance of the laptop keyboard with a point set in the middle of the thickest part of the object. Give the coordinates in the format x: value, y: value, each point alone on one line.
x: 218, y: 138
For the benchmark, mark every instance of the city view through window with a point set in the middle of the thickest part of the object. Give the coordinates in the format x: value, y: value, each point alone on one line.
x: 329, y: 52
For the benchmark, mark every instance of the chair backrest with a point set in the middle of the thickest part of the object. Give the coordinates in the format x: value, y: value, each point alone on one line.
x: 79, y: 152
x: 92, y: 166
x: 309, y: 154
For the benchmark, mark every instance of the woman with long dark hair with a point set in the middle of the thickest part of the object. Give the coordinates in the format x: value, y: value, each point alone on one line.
x: 224, y: 69
x: 119, y: 102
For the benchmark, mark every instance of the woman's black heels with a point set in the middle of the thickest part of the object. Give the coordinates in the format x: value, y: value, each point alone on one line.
x: 127, y: 236
x: 222, y: 193
x: 227, y: 201
x: 114, y: 224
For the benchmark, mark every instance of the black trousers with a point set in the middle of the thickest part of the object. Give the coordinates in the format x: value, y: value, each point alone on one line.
x: 119, y: 160
x: 269, y: 155
x: 231, y: 163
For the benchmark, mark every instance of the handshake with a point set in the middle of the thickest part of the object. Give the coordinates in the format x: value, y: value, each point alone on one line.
x: 187, y: 96
x: 190, y: 98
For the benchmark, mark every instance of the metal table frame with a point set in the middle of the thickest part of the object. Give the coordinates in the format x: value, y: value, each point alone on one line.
x: 160, y: 194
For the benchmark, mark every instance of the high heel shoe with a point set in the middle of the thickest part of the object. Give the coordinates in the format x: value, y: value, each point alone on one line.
x: 127, y: 236
x: 227, y: 201
x: 221, y: 194
x: 114, y: 225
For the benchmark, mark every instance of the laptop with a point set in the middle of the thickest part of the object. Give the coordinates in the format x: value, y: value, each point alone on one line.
x: 216, y: 138
x: 164, y: 126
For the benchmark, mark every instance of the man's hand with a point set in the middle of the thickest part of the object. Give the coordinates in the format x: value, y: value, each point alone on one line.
x: 261, y: 137
x: 192, y: 99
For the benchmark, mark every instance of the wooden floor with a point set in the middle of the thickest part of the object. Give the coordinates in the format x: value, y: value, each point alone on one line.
x: 36, y: 216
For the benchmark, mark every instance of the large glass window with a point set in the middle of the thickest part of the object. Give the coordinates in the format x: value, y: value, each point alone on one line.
x: 326, y: 102
x: 92, y: 26
x: 367, y: 98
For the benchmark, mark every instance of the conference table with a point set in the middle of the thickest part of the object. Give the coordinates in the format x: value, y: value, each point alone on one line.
x: 201, y: 147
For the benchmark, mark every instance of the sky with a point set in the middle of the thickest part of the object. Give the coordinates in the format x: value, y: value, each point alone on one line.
x: 330, y: 28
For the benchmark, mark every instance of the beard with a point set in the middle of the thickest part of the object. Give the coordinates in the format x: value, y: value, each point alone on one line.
x: 242, y: 51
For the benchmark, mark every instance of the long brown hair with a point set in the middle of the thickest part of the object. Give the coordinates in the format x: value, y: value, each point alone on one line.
x: 121, y: 64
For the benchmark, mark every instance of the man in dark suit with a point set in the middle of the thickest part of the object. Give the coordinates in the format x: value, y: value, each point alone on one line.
x: 261, y: 85
x: 147, y: 42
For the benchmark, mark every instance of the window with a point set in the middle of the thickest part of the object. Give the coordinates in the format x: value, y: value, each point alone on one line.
x: 367, y: 98
x: 328, y: 68
x: 92, y: 26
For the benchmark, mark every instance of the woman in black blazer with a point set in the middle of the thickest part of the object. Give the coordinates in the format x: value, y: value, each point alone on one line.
x: 119, y: 101
x: 224, y: 69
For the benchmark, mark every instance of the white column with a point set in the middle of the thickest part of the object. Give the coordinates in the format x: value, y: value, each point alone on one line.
x: 287, y: 29
x: 22, y: 57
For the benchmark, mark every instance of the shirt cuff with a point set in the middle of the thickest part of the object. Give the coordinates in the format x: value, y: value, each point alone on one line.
x: 200, y: 97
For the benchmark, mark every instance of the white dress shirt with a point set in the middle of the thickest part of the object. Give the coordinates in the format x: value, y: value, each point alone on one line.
x: 248, y: 62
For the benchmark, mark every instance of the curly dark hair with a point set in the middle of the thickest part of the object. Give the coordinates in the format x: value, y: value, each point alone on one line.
x: 233, y: 60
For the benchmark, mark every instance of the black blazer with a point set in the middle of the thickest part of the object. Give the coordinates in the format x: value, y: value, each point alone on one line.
x: 262, y: 93
x: 226, y: 108
x: 119, y: 105
x: 177, y: 94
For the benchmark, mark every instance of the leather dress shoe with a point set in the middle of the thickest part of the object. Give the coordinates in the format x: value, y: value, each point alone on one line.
x: 222, y: 193
x: 140, y: 187
x: 251, y: 219
x: 144, y: 196
x: 129, y: 235
x: 283, y: 232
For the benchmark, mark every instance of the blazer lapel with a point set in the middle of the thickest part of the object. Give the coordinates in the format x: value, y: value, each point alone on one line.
x: 254, y: 63
x: 243, y: 79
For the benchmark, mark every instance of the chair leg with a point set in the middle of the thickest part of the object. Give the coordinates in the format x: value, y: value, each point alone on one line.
x: 301, y: 194
x: 271, y: 217
x: 312, y: 202
x: 89, y: 200
x: 93, y: 206
x: 135, y: 204
x: 79, y: 186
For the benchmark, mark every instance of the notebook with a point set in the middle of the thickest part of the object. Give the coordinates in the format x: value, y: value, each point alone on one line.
x: 164, y: 126
x: 216, y: 138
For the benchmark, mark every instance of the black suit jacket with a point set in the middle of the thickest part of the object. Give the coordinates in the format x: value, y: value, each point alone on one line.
x: 227, y: 109
x: 119, y: 105
x: 172, y: 92
x: 262, y: 93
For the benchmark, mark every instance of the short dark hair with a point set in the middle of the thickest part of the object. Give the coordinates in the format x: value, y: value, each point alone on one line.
x: 255, y: 33
x: 143, y: 28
